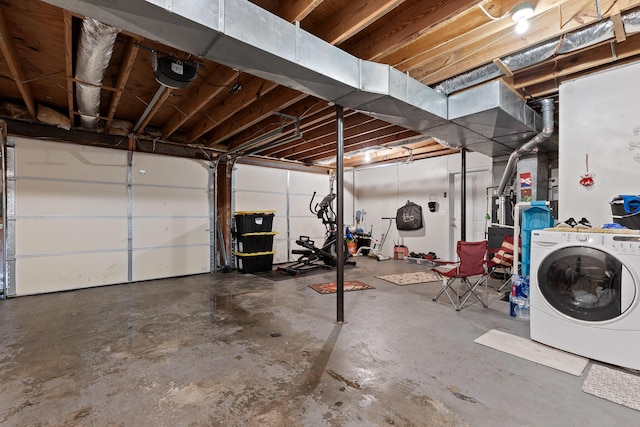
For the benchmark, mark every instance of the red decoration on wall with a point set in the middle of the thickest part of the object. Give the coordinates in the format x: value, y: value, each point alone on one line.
x: 586, y: 179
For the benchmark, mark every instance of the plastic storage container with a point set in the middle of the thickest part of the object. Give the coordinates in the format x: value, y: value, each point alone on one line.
x: 625, y: 210
x: 254, y: 262
x: 254, y: 221
x: 256, y: 242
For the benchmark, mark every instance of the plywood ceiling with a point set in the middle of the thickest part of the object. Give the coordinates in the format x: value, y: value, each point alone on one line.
x: 432, y: 40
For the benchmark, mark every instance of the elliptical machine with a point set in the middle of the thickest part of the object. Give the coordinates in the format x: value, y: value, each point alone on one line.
x: 313, y: 257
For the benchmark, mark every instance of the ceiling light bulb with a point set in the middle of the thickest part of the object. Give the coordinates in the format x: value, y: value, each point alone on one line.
x: 522, y: 11
x: 522, y: 26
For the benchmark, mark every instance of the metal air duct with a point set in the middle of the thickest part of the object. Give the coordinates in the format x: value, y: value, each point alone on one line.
x: 243, y: 36
x: 547, y: 130
x: 94, y: 53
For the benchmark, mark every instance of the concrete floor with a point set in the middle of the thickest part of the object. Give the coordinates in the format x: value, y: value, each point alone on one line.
x: 241, y: 350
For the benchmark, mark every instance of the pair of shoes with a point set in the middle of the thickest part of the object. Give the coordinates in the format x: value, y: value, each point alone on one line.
x: 431, y: 256
x: 570, y: 223
x: 583, y: 223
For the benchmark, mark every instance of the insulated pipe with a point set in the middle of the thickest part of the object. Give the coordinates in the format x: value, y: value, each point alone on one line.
x: 94, y: 53
x: 547, y: 131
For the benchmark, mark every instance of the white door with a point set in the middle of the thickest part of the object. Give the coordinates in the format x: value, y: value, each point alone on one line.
x: 476, y: 210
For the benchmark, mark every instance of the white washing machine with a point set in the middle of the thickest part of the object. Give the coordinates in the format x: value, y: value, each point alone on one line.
x: 585, y: 294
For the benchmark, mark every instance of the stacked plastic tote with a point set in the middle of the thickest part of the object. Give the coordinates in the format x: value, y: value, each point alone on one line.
x: 255, y: 241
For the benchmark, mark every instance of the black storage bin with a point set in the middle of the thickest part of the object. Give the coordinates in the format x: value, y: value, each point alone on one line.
x: 256, y: 242
x: 252, y: 222
x: 254, y: 262
x: 629, y: 215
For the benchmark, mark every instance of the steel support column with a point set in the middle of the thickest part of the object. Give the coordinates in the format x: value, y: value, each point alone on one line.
x: 340, y: 212
x: 463, y: 195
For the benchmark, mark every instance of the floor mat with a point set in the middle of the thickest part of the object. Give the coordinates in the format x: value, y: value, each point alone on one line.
x: 614, y: 385
x: 330, y: 288
x: 410, y: 278
x: 533, y: 351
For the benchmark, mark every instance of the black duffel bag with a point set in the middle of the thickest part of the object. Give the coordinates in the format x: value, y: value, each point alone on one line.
x: 409, y: 217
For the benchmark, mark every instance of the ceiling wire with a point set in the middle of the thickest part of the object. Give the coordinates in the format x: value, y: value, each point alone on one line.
x: 493, y: 18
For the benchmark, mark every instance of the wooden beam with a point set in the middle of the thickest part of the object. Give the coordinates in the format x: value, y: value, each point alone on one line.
x: 353, y: 18
x: 397, y: 153
x: 68, y: 58
x: 307, y: 123
x: 126, y: 65
x: 503, y: 67
x: 204, y: 93
x: 324, y: 140
x: 313, y: 128
x: 297, y: 10
x: 392, y: 138
x: 480, y: 47
x: 618, y: 28
x: 305, y: 110
x: 279, y: 99
x: 13, y: 61
x: 154, y: 109
x: 416, y: 19
x: 252, y: 89
x: 546, y: 76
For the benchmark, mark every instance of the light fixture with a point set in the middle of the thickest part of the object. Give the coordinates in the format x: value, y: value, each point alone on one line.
x: 521, y: 14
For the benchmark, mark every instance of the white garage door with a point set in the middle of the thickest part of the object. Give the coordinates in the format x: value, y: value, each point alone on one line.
x: 82, y: 216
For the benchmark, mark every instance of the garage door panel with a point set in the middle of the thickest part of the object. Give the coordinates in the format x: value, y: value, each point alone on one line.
x: 303, y: 182
x: 260, y: 179
x: 256, y: 201
x: 280, y: 249
x: 169, y: 171
x: 54, y: 160
x: 36, y: 275
x: 40, y: 236
x: 154, y: 232
x: 164, y: 201
x: 300, y: 204
x: 37, y: 197
x: 153, y: 263
x: 311, y: 227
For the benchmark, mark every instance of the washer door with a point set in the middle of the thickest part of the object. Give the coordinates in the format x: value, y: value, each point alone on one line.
x: 586, y: 283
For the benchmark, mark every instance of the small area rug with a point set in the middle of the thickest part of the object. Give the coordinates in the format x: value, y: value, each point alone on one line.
x: 410, y: 278
x: 614, y: 385
x: 533, y: 351
x: 330, y: 288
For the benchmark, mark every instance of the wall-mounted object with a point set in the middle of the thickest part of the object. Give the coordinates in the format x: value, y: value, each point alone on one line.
x: 433, y: 203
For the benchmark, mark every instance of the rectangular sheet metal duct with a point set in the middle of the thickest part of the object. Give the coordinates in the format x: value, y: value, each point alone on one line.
x: 244, y: 36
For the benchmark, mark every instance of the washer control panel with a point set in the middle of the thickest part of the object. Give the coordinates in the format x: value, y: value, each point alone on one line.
x: 597, y: 239
x: 628, y: 245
